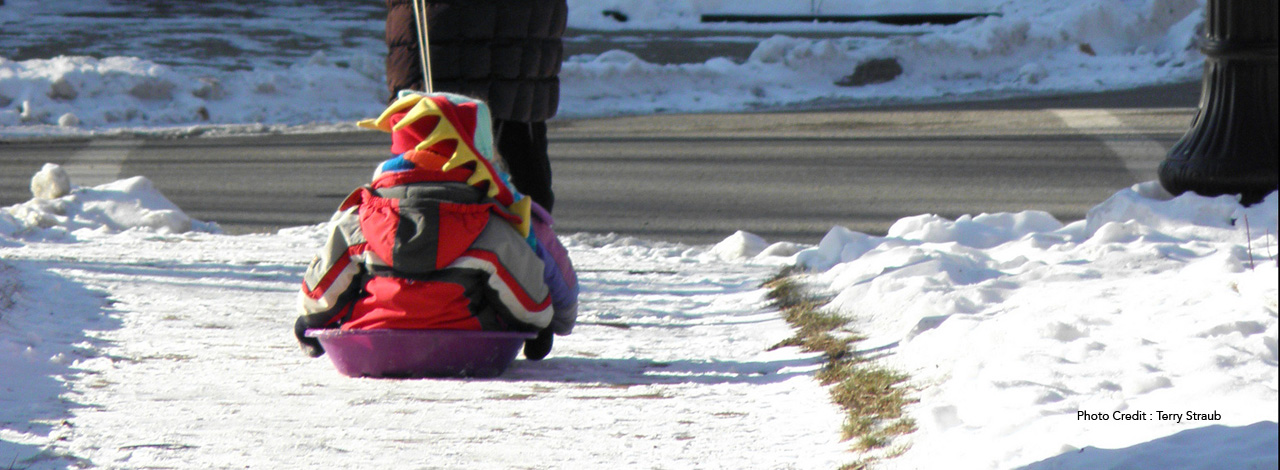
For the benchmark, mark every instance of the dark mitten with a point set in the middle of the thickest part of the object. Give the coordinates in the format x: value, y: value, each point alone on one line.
x: 538, y: 348
x: 311, y: 346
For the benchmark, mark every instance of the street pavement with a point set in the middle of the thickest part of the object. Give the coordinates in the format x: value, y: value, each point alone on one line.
x: 696, y: 178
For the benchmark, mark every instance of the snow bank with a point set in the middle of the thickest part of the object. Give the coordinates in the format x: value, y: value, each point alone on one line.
x: 65, y: 95
x: 61, y: 209
x: 1156, y: 317
x: 1034, y: 47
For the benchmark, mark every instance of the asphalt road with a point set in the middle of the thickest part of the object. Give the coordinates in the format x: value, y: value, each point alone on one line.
x: 696, y: 178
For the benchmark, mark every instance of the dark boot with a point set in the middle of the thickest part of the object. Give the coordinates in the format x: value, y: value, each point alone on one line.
x: 538, y: 348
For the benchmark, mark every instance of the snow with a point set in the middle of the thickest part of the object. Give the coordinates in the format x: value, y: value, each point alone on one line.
x: 132, y: 336
x: 1153, y: 304
x: 51, y: 182
x: 244, y: 69
x: 129, y: 343
x: 129, y: 204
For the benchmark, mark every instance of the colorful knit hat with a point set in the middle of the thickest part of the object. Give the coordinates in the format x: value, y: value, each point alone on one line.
x: 444, y: 131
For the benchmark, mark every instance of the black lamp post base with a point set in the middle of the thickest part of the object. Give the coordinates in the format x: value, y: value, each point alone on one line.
x: 1231, y: 147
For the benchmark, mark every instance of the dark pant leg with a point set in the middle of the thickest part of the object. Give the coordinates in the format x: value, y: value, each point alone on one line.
x: 523, y: 145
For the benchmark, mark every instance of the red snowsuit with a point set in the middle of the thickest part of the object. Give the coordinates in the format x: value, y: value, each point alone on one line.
x: 434, y: 245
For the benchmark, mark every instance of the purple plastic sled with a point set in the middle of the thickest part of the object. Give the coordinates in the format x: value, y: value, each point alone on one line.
x: 421, y: 353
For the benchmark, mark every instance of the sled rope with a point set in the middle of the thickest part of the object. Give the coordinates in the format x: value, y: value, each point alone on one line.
x: 424, y: 42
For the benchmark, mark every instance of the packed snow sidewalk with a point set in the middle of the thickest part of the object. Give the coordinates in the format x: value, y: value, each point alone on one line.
x: 145, y: 349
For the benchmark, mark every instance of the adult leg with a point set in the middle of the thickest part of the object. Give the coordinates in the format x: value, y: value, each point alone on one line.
x: 523, y: 146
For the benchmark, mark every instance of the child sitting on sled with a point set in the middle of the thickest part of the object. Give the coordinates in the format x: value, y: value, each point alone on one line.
x: 440, y: 239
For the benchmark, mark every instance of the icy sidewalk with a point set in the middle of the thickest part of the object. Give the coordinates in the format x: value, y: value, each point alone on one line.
x: 667, y: 369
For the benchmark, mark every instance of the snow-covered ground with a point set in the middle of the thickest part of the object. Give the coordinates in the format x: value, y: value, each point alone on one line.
x: 159, y: 348
x: 1141, y: 338
x: 132, y: 336
x: 1148, y: 329
x: 100, y: 67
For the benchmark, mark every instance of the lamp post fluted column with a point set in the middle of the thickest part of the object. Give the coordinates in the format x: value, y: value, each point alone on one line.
x: 1231, y: 147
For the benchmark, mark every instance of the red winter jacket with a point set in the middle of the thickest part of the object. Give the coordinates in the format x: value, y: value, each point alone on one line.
x: 431, y: 254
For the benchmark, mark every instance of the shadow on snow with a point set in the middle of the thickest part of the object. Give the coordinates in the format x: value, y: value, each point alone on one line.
x: 48, y: 327
x: 637, y: 371
x: 1245, y: 447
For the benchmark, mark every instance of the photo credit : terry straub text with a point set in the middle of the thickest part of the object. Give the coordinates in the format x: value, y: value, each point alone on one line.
x: 1178, y: 417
